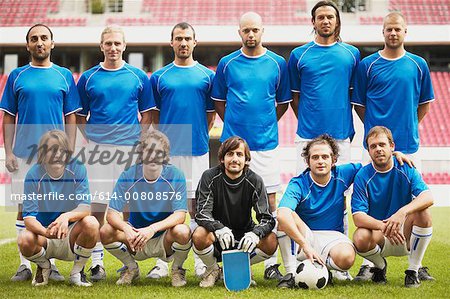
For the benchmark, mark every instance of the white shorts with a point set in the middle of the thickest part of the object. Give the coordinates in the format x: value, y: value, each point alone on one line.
x: 153, y: 248
x: 300, y: 143
x: 18, y: 179
x: 266, y: 164
x: 193, y: 168
x: 60, y: 248
x: 414, y: 157
x: 103, y: 176
x: 322, y: 241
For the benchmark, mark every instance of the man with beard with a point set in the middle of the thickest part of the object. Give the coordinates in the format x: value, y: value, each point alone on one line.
x: 185, y: 111
x: 393, y: 89
x: 226, y: 195
x: 251, y: 93
x: 113, y: 95
x: 38, y: 97
x: 390, y: 209
x: 321, y: 74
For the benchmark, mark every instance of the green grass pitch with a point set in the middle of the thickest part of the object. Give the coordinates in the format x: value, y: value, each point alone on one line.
x: 436, y: 258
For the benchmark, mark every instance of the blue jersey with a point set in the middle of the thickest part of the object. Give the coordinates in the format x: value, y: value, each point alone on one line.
x: 251, y: 87
x: 381, y: 194
x: 149, y: 201
x: 113, y: 98
x: 323, y: 75
x: 40, y: 97
x: 391, y: 90
x: 183, y: 97
x: 46, y: 198
x: 320, y: 207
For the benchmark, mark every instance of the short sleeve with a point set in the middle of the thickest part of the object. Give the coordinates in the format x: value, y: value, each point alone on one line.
x: 426, y: 88
x: 360, y: 86
x: 360, y: 201
x: 294, y: 73
x: 30, y: 204
x: 9, y: 102
x: 146, y: 99
x: 154, y: 86
x: 219, y: 89
x: 179, y: 203
x: 209, y: 100
x: 417, y: 184
x: 284, y: 88
x: 84, y: 98
x: 292, y: 196
x: 118, y: 198
x: 71, y: 102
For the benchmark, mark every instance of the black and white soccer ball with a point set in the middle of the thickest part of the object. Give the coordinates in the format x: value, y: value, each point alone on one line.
x: 311, y: 275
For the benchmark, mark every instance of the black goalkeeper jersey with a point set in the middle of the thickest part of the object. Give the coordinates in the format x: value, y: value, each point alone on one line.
x: 222, y: 201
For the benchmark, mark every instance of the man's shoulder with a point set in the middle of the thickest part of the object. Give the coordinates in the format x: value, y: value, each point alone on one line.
x: 275, y: 56
x: 232, y: 55
x: 418, y: 59
x: 365, y: 173
x: 349, y: 47
x: 35, y: 172
x: 88, y: 72
x: 369, y: 59
x: 137, y: 71
x: 212, y: 172
x: 63, y: 70
x: 253, y: 177
x: 171, y: 171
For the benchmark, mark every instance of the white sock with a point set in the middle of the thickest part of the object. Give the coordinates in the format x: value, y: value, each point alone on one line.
x: 288, y: 250
x: 366, y: 262
x: 162, y: 264
x: 257, y: 256
x: 197, y: 261
x: 374, y: 255
x: 20, y: 226
x: 180, y: 254
x: 120, y: 251
x: 40, y: 259
x: 420, y: 238
x: 82, y: 255
x: 331, y: 265
x: 207, y: 256
x: 97, y: 255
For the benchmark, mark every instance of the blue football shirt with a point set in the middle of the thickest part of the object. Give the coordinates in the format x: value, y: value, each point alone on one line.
x: 321, y: 207
x: 381, y: 194
x: 251, y: 87
x: 40, y: 97
x: 183, y: 97
x: 391, y: 91
x: 113, y: 99
x: 323, y: 75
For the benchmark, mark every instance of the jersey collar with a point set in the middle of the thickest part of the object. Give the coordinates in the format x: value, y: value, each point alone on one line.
x: 253, y: 57
x: 320, y: 185
x: 112, y: 70
x: 42, y: 67
x: 392, y: 59
x: 186, y: 66
x: 386, y: 171
x: 322, y: 45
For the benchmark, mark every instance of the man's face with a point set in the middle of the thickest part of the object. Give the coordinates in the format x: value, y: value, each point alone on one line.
x: 113, y: 46
x: 40, y: 43
x: 320, y: 159
x: 325, y: 21
x: 251, y: 32
x: 380, y: 151
x: 153, y: 155
x: 183, y: 43
x: 234, y: 161
x: 55, y: 155
x: 394, y: 32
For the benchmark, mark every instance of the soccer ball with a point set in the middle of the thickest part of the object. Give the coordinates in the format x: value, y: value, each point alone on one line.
x: 311, y: 275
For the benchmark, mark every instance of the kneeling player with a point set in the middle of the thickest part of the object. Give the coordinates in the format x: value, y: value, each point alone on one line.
x: 390, y: 210
x: 311, y: 211
x: 156, y: 194
x: 225, y: 197
x: 56, y: 211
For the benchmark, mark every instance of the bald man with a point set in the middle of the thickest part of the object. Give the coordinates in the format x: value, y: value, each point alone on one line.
x: 393, y: 89
x: 251, y: 92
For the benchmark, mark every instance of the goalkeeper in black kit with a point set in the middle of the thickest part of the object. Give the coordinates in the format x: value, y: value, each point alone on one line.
x: 225, y: 196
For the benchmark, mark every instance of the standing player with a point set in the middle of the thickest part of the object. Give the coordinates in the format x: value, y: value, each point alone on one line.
x: 311, y: 211
x: 56, y: 211
x: 390, y: 210
x: 321, y: 74
x: 185, y: 103
x: 226, y: 195
x: 156, y: 194
x: 38, y: 97
x: 113, y: 95
x: 400, y: 106
x: 251, y: 93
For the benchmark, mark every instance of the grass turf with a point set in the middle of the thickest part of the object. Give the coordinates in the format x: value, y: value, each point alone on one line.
x: 436, y: 259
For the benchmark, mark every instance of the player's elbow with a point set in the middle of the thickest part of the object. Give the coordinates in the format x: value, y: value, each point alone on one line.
x: 282, y: 217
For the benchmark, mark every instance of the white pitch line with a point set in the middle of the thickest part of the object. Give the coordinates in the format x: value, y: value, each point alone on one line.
x: 6, y: 241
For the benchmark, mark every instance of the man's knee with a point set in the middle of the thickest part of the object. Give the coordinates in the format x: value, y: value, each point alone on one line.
x: 344, y: 257
x: 26, y: 241
x: 106, y: 233
x: 201, y: 238
x: 268, y: 244
x: 90, y: 227
x: 181, y: 233
x: 361, y: 239
x: 422, y: 218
